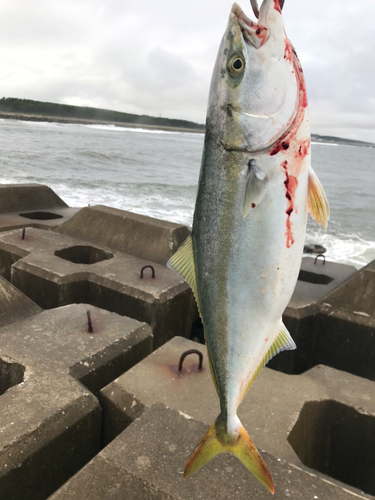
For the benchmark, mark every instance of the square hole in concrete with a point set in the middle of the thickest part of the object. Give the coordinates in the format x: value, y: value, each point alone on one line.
x: 10, y: 374
x: 83, y: 254
x: 337, y: 440
x: 317, y: 279
x: 41, y: 215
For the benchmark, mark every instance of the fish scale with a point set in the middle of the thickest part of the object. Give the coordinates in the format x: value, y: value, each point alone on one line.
x: 255, y: 188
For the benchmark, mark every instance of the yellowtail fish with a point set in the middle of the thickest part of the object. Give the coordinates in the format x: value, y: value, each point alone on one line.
x: 256, y: 186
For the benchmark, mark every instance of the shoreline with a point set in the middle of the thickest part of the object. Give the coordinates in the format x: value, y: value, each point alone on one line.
x: 86, y: 121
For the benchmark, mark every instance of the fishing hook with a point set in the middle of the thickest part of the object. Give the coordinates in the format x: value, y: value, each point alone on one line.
x: 254, y: 5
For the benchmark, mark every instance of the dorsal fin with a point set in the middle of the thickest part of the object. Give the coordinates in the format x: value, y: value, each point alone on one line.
x: 282, y: 342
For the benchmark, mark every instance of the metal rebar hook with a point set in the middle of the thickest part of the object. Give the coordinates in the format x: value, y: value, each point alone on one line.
x: 320, y: 255
x: 186, y: 353
x: 148, y: 267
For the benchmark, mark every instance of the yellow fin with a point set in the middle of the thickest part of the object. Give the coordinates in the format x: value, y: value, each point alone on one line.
x: 182, y: 262
x: 282, y: 342
x: 216, y: 441
x: 317, y: 200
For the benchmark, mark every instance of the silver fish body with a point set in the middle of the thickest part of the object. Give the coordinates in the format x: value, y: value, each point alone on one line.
x: 256, y: 186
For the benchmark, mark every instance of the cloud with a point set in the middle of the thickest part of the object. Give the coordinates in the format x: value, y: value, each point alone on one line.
x: 157, y: 57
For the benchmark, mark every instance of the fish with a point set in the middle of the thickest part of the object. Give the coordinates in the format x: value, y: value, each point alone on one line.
x: 256, y: 187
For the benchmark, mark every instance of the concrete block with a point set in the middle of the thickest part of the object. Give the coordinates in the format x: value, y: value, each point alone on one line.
x: 273, y: 408
x: 50, y: 422
x: 146, y: 463
x: 317, y: 279
x: 345, y: 340
x: 344, y: 328
x: 356, y: 295
x: 35, y: 205
x: 14, y: 305
x: 54, y: 270
x: 134, y: 234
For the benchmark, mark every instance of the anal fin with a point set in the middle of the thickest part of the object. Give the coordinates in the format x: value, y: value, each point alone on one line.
x: 283, y: 342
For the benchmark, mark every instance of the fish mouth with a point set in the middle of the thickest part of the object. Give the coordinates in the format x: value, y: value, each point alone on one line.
x: 253, y: 33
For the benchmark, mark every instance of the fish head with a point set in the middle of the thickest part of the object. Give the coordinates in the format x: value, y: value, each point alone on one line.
x: 254, y: 92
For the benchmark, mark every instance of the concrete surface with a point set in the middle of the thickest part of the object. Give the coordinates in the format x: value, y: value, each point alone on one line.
x: 146, y: 462
x: 145, y: 237
x: 356, y: 295
x: 14, y: 305
x: 343, y: 335
x: 307, y: 321
x: 51, y: 368
x: 31, y: 205
x: 269, y: 412
x: 53, y: 269
x: 317, y: 278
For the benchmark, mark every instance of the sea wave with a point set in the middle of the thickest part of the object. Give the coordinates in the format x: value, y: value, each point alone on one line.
x: 326, y: 143
x: 348, y: 249
x: 117, y: 128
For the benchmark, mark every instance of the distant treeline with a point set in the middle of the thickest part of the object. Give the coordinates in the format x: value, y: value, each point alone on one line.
x: 50, y: 109
x: 340, y: 140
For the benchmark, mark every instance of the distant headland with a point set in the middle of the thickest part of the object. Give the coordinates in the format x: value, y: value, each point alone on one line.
x: 29, y: 110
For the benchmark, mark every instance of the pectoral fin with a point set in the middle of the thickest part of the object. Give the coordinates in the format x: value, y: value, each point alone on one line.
x: 317, y: 200
x: 255, y: 188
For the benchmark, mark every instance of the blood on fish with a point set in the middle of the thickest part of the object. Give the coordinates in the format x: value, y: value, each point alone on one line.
x: 304, y: 147
x: 253, y: 205
x: 288, y: 234
x: 291, y: 184
x: 288, y: 51
x: 281, y: 146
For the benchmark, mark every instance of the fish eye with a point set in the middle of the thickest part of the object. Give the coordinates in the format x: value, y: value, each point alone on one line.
x: 236, y: 65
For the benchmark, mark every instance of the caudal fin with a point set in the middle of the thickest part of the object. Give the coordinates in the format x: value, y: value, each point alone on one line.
x: 214, y: 442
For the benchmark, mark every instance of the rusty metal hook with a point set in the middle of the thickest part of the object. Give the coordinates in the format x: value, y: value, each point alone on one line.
x: 90, y: 328
x: 186, y: 353
x: 320, y: 255
x: 152, y: 270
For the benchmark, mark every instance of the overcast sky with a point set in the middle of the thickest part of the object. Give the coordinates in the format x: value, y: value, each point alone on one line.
x: 156, y: 56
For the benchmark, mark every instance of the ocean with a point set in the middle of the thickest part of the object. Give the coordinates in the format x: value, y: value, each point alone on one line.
x: 156, y: 173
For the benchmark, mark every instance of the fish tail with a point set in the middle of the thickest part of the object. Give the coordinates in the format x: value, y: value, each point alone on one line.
x: 217, y: 440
